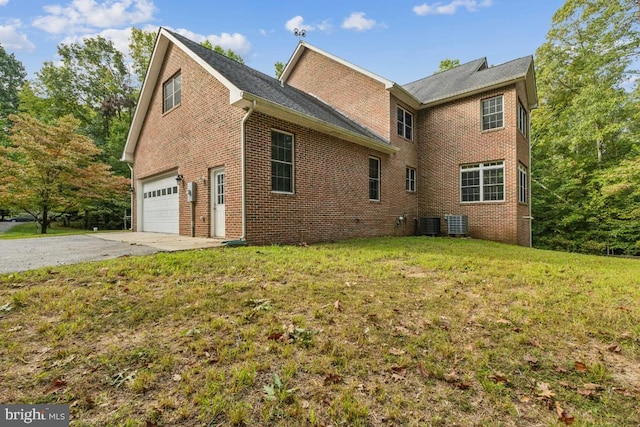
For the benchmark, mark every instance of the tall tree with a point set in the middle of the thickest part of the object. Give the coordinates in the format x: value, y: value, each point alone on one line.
x: 141, y: 45
x: 447, y: 64
x: 585, y: 127
x: 279, y: 69
x: 219, y: 49
x: 52, y: 169
x: 12, y: 78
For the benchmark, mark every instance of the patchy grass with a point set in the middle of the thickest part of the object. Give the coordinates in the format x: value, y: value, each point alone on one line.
x: 376, y: 332
x: 32, y: 229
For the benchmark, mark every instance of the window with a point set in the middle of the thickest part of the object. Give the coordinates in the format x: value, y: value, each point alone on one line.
x: 492, y: 117
x: 411, y: 180
x: 482, y: 182
x: 523, y: 120
x: 405, y: 123
x: 374, y: 178
x: 523, y: 189
x: 172, y: 92
x: 281, y: 162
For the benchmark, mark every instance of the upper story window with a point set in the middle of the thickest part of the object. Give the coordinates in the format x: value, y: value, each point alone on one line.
x: 523, y: 120
x: 492, y: 113
x: 410, y: 180
x: 482, y: 182
x: 374, y: 178
x: 281, y: 162
x: 523, y: 190
x: 405, y: 123
x: 171, y: 90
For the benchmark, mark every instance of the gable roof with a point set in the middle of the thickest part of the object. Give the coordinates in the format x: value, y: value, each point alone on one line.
x: 473, y: 77
x: 247, y: 88
x: 393, y: 87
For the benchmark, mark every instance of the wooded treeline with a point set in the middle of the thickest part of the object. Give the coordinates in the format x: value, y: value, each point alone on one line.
x: 585, y: 134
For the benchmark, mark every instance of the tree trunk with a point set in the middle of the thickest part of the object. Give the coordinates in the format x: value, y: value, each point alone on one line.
x: 45, y: 220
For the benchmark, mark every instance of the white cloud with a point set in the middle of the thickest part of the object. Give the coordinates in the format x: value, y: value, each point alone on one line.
x: 236, y: 42
x: 450, y: 8
x: 11, y: 37
x: 297, y: 22
x: 4, y: 2
x: 85, y: 16
x: 357, y: 21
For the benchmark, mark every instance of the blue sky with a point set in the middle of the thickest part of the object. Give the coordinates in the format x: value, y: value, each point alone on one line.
x: 400, y: 40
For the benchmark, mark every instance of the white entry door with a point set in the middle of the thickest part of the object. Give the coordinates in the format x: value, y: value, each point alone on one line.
x: 217, y: 202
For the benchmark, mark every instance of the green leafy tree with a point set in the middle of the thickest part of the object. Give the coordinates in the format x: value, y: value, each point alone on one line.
x: 279, y: 69
x: 447, y: 64
x: 585, y: 128
x: 49, y: 169
x: 219, y: 49
x: 12, y: 78
x: 141, y: 45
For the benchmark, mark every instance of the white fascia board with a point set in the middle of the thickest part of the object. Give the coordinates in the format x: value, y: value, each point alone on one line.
x: 284, y: 113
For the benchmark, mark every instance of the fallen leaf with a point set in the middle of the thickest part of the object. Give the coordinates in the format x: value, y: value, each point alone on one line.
x: 543, y: 391
x: 535, y: 343
x: 452, y: 377
x: 615, y: 348
x: 396, y: 352
x: 504, y: 322
x: 524, y: 399
x: 397, y: 377
x: 151, y: 424
x: 400, y: 370
x: 274, y: 336
x: 176, y: 377
x: 55, y: 386
x: 423, y: 371
x: 559, y: 369
x: 332, y: 379
x: 499, y: 378
x: 580, y: 366
x: 563, y: 416
x: 533, y: 361
x: 337, y: 305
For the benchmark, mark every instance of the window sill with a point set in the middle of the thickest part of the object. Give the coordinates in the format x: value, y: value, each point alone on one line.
x: 493, y: 130
x: 484, y: 202
x: 282, y: 193
x: 171, y: 109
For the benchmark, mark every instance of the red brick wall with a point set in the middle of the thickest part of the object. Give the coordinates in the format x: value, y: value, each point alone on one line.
x: 451, y: 135
x: 331, y: 200
x: 354, y: 94
x: 203, y: 132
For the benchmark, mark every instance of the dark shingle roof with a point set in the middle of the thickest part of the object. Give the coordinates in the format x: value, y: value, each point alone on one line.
x: 466, y: 78
x: 259, y: 84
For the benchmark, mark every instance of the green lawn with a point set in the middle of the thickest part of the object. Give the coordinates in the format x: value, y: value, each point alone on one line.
x: 32, y: 229
x: 375, y: 332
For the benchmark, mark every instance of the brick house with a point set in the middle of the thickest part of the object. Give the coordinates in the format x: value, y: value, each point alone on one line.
x: 329, y: 151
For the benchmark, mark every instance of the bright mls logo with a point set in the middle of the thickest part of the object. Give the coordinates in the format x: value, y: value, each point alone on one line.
x: 35, y: 415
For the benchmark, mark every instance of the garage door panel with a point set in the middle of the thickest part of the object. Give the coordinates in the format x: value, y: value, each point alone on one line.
x: 160, y: 206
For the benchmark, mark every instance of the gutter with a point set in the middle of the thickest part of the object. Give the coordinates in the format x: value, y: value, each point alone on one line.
x: 243, y: 166
x: 131, y: 195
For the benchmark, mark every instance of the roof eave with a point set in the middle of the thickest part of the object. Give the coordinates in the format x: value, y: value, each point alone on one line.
x: 290, y: 115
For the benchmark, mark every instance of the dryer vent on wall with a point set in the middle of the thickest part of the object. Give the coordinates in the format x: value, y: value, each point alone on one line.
x: 457, y: 224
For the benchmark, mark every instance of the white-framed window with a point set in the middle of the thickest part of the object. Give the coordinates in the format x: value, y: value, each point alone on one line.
x: 492, y: 113
x: 523, y: 184
x: 281, y: 162
x: 374, y: 178
x: 523, y: 120
x: 482, y: 182
x: 172, y: 92
x: 410, y: 180
x: 405, y: 123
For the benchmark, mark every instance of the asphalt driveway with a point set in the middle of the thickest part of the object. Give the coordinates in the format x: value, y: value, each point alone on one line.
x: 28, y: 254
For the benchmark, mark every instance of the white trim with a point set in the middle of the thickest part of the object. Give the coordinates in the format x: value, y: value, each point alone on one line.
x: 404, y: 115
x: 480, y: 167
x: 293, y: 162
x: 379, y: 178
x: 482, y: 115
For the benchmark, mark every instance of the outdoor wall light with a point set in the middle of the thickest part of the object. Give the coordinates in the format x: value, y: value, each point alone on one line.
x: 179, y: 177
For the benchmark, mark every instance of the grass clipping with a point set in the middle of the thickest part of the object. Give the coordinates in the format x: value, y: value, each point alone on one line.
x: 375, y: 332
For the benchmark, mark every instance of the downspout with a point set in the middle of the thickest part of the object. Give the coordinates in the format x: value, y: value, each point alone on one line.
x: 132, y: 192
x: 530, y: 181
x: 243, y: 168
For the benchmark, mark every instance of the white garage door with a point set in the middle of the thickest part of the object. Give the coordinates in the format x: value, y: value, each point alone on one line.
x: 160, y: 206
